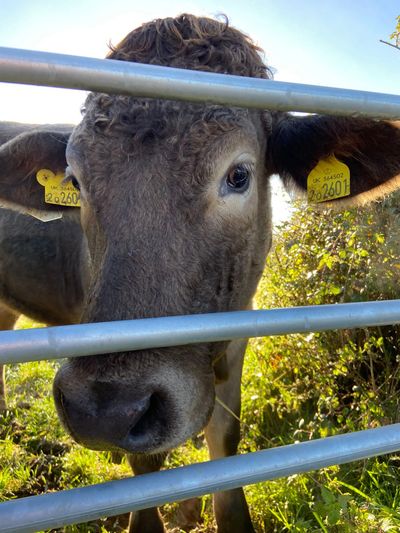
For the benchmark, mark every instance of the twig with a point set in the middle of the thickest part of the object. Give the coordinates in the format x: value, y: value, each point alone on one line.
x: 390, y: 44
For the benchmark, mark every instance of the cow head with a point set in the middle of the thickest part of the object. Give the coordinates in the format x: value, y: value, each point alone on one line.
x: 175, y: 210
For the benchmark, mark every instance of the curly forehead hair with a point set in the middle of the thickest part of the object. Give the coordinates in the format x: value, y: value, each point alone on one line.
x: 196, y: 43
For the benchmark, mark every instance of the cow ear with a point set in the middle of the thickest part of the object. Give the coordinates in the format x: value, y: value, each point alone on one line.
x: 22, y: 157
x: 369, y: 150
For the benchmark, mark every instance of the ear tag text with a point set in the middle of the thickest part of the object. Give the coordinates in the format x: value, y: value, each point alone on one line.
x: 57, y: 190
x: 328, y: 180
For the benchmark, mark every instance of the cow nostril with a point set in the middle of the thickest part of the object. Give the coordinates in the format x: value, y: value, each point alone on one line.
x: 148, y: 419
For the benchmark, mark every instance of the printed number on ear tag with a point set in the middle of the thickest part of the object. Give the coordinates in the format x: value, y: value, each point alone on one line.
x: 56, y: 190
x: 328, y: 180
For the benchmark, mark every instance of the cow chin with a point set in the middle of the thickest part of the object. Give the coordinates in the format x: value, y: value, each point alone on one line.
x: 134, y: 411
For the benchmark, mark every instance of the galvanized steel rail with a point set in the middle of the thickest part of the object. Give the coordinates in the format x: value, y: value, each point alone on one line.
x: 135, y: 79
x: 106, y: 337
x: 108, y: 499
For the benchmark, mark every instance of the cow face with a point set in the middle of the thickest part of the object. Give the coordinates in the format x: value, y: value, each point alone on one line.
x: 175, y: 209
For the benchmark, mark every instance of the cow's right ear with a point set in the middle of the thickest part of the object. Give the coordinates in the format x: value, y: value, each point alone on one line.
x: 20, y: 160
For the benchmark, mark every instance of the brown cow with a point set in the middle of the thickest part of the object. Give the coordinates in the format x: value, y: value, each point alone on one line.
x: 176, y: 220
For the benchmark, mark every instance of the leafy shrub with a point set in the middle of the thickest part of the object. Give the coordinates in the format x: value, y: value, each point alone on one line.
x: 300, y: 387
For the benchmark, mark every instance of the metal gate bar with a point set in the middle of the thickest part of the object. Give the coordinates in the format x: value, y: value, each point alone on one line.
x: 122, y: 77
x: 116, y: 497
x: 106, y: 337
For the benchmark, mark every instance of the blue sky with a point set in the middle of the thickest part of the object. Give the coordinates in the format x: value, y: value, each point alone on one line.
x: 334, y: 43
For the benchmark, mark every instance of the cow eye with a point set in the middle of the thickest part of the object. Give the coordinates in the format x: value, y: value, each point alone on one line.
x: 238, y: 178
x: 75, y: 183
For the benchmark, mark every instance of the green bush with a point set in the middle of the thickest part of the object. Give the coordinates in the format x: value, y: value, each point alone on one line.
x: 300, y: 387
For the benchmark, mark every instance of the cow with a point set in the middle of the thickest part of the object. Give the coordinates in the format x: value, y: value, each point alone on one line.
x: 175, y: 219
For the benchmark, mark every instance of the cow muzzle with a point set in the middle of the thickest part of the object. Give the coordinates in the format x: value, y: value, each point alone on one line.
x: 148, y: 412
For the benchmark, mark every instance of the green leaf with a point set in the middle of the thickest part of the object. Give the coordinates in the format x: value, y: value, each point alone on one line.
x: 327, y: 496
x: 333, y: 516
x: 333, y: 289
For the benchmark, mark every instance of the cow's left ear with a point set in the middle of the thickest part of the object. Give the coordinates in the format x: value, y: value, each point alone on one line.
x: 369, y: 148
x: 22, y: 157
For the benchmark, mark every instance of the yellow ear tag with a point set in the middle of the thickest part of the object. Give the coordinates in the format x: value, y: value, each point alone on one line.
x: 328, y: 180
x: 57, y: 190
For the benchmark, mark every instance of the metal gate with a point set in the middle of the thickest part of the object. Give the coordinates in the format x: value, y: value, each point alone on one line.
x: 112, y: 498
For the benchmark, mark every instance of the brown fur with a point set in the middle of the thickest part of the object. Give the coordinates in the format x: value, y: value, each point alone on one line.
x: 195, y: 43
